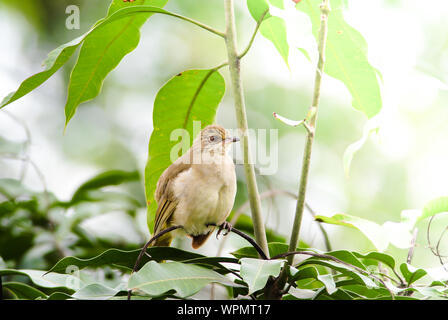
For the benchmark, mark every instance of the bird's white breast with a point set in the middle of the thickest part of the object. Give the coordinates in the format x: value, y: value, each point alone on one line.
x: 206, y: 193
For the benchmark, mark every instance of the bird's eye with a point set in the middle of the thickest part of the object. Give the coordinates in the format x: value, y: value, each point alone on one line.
x: 212, y: 138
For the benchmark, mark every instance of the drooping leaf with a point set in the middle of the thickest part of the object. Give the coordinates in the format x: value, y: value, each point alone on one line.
x: 256, y: 272
x: 346, y: 56
x: 374, y: 232
x: 102, y: 51
x: 55, y: 60
x: 156, y: 279
x: 190, y: 96
x: 274, y: 29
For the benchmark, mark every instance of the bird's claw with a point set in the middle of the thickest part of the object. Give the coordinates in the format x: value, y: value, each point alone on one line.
x: 224, y: 226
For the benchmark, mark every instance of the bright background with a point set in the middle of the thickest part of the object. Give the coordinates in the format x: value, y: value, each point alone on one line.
x: 401, y: 167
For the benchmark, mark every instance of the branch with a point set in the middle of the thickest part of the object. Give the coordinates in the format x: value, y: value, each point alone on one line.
x: 143, y: 251
x: 240, y: 110
x: 411, y: 249
x: 325, y: 9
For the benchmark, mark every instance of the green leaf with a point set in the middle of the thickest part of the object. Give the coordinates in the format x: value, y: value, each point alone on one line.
x: 190, y: 96
x: 24, y: 291
x: 410, y: 273
x: 156, y: 279
x: 102, y: 51
x: 95, y: 291
x: 256, y: 272
x: 346, y: 56
x: 274, y: 29
x: 434, y: 207
x: 257, y: 8
x: 55, y: 60
x: 373, y: 231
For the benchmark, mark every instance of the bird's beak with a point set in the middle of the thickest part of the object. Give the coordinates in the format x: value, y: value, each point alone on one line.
x: 232, y: 139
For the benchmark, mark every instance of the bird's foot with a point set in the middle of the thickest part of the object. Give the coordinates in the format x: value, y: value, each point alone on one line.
x: 224, y: 226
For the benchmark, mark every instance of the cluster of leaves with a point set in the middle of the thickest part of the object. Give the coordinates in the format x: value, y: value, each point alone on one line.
x: 332, y: 275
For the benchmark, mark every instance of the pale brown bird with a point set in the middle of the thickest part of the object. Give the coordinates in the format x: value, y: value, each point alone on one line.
x: 197, y: 189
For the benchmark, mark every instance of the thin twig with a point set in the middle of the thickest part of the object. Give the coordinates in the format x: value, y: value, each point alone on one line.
x: 411, y: 249
x: 251, y: 41
x: 143, y: 251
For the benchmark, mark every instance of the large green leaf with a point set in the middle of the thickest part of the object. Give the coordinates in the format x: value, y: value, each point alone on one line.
x: 156, y: 279
x: 346, y: 56
x: 102, y: 51
x: 256, y: 272
x: 190, y: 96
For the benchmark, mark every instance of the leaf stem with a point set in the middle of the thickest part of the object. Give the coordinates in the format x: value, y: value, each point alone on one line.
x: 240, y: 110
x: 251, y: 41
x: 122, y: 13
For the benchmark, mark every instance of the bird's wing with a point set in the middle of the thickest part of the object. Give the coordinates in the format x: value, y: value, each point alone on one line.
x: 164, y: 195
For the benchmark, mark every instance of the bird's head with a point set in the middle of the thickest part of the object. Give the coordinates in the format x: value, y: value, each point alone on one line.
x: 214, y: 138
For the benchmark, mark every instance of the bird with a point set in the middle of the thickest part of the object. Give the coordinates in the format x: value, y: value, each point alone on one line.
x: 197, y: 191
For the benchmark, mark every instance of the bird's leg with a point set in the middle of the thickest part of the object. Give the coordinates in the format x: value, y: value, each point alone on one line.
x: 224, y: 226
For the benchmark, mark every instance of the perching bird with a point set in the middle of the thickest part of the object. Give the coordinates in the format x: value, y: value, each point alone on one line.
x: 197, y: 189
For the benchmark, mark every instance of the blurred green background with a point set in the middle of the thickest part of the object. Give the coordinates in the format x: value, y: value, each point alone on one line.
x: 401, y: 167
